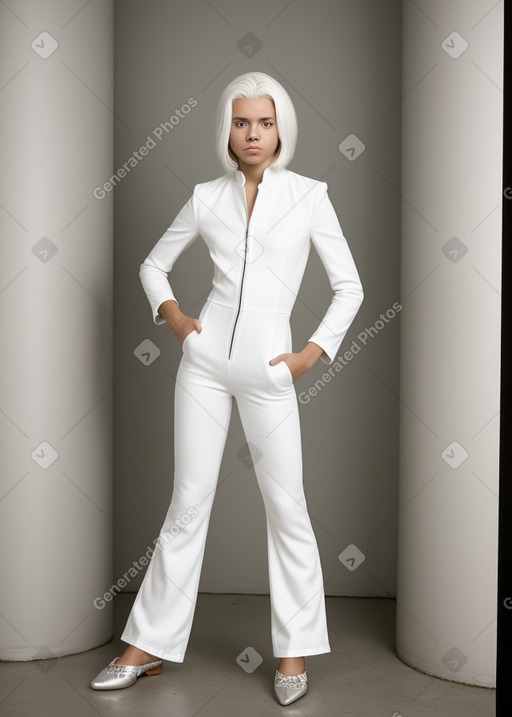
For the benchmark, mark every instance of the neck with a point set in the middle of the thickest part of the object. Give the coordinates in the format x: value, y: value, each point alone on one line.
x: 253, y: 173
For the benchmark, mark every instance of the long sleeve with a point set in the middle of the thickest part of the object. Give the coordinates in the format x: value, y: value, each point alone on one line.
x: 159, y: 262
x: 333, y: 250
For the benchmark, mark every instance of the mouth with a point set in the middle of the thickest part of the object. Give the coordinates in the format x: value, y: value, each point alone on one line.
x: 253, y: 149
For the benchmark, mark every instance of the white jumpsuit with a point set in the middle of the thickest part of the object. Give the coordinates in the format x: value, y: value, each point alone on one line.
x: 259, y: 266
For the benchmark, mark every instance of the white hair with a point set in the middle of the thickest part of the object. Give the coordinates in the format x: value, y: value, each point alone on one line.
x: 257, y: 84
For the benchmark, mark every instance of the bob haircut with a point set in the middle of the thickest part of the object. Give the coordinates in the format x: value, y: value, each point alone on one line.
x: 256, y: 84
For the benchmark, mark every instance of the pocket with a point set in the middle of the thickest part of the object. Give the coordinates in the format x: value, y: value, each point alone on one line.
x: 288, y: 378
x: 202, y: 320
x: 185, y: 340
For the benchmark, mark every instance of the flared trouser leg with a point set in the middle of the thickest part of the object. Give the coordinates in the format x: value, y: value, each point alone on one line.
x: 161, y: 617
x: 298, y: 616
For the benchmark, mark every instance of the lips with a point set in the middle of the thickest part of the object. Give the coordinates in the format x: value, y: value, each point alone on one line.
x: 253, y: 149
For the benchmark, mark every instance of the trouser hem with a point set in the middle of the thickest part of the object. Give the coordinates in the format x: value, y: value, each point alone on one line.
x: 303, y: 652
x: 152, y: 650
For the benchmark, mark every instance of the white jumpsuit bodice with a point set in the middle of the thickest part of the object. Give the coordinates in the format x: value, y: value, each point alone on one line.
x: 259, y: 264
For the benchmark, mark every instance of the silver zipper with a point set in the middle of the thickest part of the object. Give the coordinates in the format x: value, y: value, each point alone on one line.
x: 243, y: 273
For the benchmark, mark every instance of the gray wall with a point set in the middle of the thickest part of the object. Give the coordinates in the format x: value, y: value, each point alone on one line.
x: 340, y: 62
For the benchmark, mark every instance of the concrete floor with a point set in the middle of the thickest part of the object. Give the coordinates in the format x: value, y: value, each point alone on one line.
x: 361, y: 676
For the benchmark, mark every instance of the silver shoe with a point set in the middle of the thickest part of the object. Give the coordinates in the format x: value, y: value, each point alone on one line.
x: 289, y: 688
x: 114, y: 677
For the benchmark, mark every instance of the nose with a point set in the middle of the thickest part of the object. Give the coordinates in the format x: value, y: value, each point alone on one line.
x: 252, y: 134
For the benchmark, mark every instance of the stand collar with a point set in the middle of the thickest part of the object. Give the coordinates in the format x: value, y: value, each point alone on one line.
x: 270, y: 174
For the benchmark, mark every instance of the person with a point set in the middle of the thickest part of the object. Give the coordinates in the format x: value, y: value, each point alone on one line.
x: 258, y: 220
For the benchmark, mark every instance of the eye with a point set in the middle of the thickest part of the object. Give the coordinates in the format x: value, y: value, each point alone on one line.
x: 268, y: 123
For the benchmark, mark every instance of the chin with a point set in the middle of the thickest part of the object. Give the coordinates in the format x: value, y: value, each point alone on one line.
x: 259, y: 159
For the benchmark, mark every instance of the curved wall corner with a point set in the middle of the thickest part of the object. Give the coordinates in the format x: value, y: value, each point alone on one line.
x: 56, y: 327
x: 450, y: 339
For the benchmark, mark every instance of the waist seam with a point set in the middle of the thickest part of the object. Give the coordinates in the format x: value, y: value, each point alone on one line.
x: 249, y: 311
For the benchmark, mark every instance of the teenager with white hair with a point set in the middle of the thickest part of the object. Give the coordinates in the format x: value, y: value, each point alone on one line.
x: 258, y: 220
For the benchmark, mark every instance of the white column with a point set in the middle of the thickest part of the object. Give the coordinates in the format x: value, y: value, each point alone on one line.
x: 450, y: 333
x: 56, y: 327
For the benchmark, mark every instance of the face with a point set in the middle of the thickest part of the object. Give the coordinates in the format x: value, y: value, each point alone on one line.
x: 253, y: 124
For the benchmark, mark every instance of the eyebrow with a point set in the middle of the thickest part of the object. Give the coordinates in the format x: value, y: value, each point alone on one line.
x: 262, y: 119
